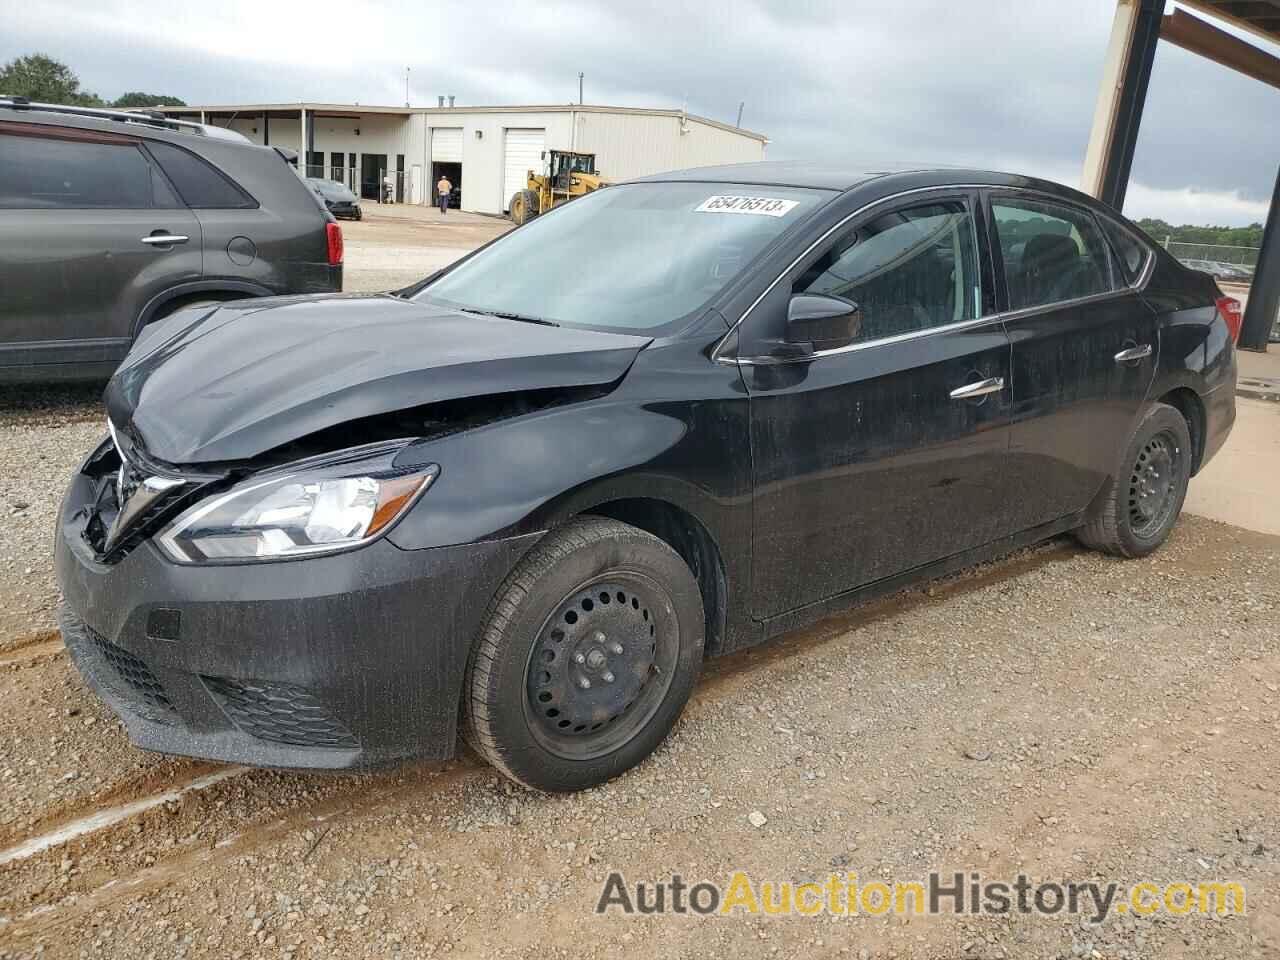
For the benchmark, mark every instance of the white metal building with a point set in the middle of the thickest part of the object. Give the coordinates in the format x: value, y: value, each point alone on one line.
x: 486, y: 151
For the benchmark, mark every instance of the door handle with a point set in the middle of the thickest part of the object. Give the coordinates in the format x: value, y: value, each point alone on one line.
x: 164, y: 239
x: 1129, y: 354
x: 979, y: 389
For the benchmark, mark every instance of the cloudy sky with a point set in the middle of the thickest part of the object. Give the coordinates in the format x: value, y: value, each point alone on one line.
x: 1009, y: 85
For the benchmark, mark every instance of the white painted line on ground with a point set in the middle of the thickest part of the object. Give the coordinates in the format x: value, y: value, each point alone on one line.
x: 106, y: 818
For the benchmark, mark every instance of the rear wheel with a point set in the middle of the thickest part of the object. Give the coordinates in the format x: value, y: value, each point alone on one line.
x: 587, y: 656
x: 524, y: 206
x: 1140, y: 505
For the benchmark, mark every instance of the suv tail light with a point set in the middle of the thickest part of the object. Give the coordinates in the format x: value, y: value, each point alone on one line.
x: 1229, y: 307
x: 333, y: 233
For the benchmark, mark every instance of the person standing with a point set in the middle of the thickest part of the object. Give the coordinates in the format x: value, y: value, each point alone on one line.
x: 443, y: 188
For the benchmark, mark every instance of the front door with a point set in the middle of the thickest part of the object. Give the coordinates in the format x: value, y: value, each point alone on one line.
x: 889, y: 453
x: 1084, y: 353
x: 373, y: 167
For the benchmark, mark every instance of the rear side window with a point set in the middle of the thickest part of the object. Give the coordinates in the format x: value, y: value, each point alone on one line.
x: 1130, y: 251
x: 54, y: 173
x: 910, y: 269
x: 202, y: 186
x: 1051, y: 252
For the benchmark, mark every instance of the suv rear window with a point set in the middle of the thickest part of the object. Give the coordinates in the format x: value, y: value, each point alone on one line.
x: 201, y: 186
x: 55, y: 173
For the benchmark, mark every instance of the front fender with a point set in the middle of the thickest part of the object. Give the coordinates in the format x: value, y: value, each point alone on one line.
x: 532, y: 473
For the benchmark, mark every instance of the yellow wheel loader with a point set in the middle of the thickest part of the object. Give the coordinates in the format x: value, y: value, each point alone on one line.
x: 569, y: 175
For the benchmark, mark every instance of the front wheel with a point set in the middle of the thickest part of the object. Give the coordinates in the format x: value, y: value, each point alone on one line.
x: 524, y: 206
x: 1141, y: 503
x: 588, y: 654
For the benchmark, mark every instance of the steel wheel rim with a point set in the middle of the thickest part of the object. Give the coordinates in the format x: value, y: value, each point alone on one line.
x: 1153, y: 484
x: 599, y: 669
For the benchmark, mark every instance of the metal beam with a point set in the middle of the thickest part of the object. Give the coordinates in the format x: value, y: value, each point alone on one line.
x: 1264, y: 295
x: 1126, y: 73
x: 1191, y: 33
x: 1253, y: 16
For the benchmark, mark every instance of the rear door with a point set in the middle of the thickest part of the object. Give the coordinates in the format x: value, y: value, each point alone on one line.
x: 889, y: 453
x: 1085, y: 346
x: 90, y: 231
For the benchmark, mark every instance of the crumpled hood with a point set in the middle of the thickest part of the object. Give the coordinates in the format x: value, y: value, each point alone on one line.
x: 232, y: 382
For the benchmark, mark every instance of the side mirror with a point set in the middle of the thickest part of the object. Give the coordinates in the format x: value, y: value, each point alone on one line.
x: 823, y: 321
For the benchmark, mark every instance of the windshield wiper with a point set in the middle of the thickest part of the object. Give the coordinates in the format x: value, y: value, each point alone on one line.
x: 502, y: 315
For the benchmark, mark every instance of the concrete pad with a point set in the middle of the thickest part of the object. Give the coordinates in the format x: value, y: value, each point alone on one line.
x: 1238, y: 486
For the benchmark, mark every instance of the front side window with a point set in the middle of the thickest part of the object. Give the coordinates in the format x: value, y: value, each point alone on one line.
x: 1052, y: 253
x: 908, y: 270
x: 54, y: 173
x: 632, y: 258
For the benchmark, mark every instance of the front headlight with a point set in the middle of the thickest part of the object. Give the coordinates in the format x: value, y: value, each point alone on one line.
x: 313, y: 508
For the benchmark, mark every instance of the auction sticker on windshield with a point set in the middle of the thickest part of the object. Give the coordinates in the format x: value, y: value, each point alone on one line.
x: 761, y: 206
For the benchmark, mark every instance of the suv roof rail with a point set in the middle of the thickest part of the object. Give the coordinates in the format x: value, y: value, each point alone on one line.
x: 154, y: 118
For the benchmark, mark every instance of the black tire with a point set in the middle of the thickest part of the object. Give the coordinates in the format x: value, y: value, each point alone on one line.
x: 1141, y: 503
x: 524, y: 206
x: 544, y: 633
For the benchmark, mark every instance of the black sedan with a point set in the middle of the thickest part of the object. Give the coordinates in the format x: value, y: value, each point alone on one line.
x: 337, y: 199
x: 527, y: 498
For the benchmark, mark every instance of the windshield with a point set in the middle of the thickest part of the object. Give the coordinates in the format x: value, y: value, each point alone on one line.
x: 629, y: 258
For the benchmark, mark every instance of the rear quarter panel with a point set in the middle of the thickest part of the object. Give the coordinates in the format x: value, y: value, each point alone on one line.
x: 1196, y: 351
x: 286, y: 249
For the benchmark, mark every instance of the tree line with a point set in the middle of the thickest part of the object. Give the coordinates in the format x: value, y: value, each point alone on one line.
x: 1250, y: 236
x: 42, y: 79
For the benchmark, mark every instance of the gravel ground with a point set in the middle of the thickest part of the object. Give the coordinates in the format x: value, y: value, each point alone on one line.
x: 1061, y: 713
x: 1058, y: 713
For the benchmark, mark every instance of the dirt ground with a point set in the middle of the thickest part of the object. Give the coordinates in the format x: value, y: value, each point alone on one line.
x: 1059, y: 713
x: 398, y: 244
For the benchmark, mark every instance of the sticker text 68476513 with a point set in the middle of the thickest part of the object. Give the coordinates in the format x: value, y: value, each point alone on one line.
x: 760, y: 206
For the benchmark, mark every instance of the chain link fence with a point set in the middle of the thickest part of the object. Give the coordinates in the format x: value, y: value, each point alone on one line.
x: 1234, y: 264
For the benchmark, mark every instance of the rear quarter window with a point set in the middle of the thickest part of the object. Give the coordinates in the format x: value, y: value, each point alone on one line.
x: 201, y: 185
x: 1131, y: 252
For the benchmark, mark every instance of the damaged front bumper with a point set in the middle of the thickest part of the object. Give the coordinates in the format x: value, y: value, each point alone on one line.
x: 329, y: 662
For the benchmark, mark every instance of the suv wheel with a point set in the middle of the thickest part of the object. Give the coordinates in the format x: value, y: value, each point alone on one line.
x: 1141, y: 503
x: 588, y: 654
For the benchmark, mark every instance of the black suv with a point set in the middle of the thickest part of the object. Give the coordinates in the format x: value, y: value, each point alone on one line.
x: 114, y: 219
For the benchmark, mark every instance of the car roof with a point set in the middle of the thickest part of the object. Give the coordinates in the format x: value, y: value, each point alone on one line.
x: 846, y: 176
x: 108, y: 120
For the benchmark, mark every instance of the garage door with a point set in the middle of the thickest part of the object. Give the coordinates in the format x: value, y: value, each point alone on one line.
x: 523, y: 152
x: 446, y: 144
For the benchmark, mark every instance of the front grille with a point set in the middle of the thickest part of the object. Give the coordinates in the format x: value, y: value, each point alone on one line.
x: 279, y: 712
x: 135, y: 674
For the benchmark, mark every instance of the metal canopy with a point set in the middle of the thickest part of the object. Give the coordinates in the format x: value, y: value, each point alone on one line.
x: 1136, y: 30
x: 1259, y: 17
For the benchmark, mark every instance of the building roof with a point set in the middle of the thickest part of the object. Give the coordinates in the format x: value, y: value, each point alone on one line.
x: 348, y: 108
